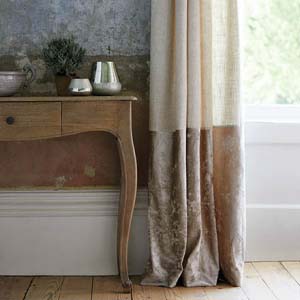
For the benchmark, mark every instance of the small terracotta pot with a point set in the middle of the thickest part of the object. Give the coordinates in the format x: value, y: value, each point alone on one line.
x: 62, y: 83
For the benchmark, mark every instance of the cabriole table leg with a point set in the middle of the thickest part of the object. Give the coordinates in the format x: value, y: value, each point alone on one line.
x: 127, y: 200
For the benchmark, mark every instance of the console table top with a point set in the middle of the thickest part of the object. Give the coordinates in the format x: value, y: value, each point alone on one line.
x: 67, y: 98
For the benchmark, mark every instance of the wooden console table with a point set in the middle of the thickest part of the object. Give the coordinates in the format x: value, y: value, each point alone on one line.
x: 32, y: 118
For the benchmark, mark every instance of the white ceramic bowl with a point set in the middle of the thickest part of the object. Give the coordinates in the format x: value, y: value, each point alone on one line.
x: 11, y: 82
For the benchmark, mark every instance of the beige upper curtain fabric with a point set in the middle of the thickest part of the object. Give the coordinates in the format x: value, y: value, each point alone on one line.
x: 196, y: 183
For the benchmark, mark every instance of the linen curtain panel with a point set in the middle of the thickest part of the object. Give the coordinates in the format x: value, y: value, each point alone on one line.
x: 196, y: 185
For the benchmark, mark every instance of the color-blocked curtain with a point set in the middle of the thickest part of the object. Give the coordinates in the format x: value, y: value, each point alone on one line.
x: 196, y: 184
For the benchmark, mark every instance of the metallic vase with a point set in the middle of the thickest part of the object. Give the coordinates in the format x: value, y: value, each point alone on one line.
x: 105, y: 80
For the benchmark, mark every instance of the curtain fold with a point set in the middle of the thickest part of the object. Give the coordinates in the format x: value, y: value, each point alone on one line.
x: 196, y: 180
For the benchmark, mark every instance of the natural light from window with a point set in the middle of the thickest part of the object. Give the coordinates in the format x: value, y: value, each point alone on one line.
x: 271, y: 71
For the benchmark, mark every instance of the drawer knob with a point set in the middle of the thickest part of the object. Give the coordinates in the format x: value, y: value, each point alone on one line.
x: 10, y: 120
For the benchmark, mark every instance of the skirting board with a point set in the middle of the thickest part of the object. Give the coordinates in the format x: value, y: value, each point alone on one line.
x: 65, y: 203
x: 67, y: 233
x: 74, y: 232
x: 273, y: 232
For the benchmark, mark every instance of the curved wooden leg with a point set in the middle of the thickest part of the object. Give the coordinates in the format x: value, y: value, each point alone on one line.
x: 127, y: 201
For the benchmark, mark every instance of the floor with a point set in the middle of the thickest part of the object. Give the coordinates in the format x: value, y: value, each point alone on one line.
x: 263, y: 281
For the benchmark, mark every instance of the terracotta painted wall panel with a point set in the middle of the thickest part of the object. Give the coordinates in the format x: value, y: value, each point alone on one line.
x: 87, y: 159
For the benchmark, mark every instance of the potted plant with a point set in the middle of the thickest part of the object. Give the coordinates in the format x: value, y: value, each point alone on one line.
x: 63, y: 56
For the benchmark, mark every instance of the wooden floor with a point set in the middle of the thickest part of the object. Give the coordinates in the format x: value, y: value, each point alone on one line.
x: 263, y: 281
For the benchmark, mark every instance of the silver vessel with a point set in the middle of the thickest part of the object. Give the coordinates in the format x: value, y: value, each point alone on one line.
x: 80, y: 87
x: 105, y: 80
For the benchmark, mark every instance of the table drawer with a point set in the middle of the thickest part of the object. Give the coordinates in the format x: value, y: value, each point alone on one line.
x: 90, y: 116
x: 30, y: 120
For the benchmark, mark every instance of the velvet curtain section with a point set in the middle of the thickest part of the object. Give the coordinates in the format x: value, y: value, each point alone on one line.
x: 196, y: 183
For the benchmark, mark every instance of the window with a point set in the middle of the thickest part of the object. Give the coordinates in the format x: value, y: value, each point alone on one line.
x: 271, y: 64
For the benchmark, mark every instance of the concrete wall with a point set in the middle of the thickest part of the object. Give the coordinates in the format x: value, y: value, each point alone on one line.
x: 118, y: 30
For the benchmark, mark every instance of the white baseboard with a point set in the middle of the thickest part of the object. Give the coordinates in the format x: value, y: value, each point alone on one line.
x: 67, y: 233
x: 272, y: 182
x: 83, y: 203
x: 74, y: 232
x: 273, y: 232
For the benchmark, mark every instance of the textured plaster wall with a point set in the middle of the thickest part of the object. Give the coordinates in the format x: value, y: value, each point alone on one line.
x: 117, y: 30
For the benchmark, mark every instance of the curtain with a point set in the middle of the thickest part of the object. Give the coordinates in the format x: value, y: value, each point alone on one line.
x: 196, y: 182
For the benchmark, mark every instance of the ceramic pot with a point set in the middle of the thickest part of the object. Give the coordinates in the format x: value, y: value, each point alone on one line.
x: 62, y: 83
